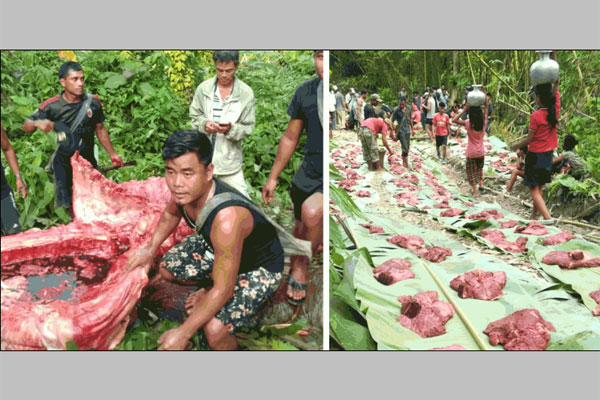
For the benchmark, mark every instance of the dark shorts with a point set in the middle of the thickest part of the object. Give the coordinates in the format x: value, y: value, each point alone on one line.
x: 429, y: 121
x: 299, y: 197
x: 10, y: 216
x: 191, y: 260
x: 63, y: 175
x: 441, y: 141
x: 538, y: 168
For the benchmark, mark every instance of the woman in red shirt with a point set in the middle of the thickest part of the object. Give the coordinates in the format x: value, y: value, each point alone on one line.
x: 542, y: 141
x: 475, y: 151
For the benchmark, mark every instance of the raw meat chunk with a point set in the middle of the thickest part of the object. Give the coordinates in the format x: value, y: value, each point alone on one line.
x: 424, y: 314
x: 407, y: 241
x: 434, y: 254
x: 49, y: 292
x: 559, y: 238
x: 372, y: 228
x: 571, y: 259
x: 596, y: 296
x: 453, y: 347
x: 347, y: 184
x: 392, y: 271
x: 521, y: 330
x: 533, y: 228
x: 479, y: 284
x: 487, y: 214
x: 363, y: 193
x: 508, y: 224
x: 452, y: 212
x: 443, y: 204
x: 499, y: 239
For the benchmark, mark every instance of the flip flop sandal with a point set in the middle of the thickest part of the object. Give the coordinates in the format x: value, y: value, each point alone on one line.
x: 295, y: 287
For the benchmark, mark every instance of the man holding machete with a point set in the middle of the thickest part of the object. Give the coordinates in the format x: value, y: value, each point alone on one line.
x: 75, y: 115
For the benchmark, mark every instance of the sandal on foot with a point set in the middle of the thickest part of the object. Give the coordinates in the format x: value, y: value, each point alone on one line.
x: 295, y: 287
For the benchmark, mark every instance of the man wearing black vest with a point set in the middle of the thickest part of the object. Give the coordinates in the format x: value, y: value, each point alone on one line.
x: 236, y: 255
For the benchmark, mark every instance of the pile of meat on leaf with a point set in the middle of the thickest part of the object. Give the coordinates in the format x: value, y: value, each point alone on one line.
x: 426, y: 315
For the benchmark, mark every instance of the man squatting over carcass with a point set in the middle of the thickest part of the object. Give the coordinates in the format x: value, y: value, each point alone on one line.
x: 236, y: 251
x: 77, y: 116
x: 305, y: 111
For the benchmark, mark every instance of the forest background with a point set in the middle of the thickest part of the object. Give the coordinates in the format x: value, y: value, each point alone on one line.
x: 146, y: 96
x: 504, y: 73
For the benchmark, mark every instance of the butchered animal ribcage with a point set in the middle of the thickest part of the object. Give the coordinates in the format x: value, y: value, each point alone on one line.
x: 111, y: 221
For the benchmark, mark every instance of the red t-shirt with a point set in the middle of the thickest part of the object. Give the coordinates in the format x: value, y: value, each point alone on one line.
x: 440, y: 121
x: 545, y: 138
x: 376, y: 125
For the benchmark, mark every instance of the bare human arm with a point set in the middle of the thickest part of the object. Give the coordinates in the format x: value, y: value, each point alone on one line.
x: 457, y: 120
x: 41, y: 124
x: 168, y: 221
x: 286, y: 148
x: 104, y: 139
x: 231, y: 226
x: 11, y: 158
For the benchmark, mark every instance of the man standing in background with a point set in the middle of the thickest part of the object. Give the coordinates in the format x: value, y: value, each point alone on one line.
x: 223, y: 108
x: 340, y: 108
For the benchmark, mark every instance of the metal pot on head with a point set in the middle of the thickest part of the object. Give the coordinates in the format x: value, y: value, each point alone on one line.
x: 544, y: 70
x: 476, y: 97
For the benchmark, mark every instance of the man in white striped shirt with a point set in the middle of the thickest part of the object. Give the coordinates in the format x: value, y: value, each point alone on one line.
x: 223, y: 107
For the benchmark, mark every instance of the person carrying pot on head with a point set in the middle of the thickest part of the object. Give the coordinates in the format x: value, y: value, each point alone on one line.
x: 403, y: 120
x: 75, y: 115
x: 475, y: 151
x: 10, y: 215
x: 223, y: 107
x: 367, y: 133
x: 542, y: 140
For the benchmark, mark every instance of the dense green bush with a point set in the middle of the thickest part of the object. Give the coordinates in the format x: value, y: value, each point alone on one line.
x: 142, y: 108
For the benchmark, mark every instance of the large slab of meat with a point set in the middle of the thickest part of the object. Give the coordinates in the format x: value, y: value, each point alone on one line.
x: 596, y: 296
x: 559, y: 238
x: 392, y: 271
x: 479, y: 284
x: 486, y: 214
x: 111, y: 221
x: 571, y: 259
x: 533, y: 228
x: 508, y: 224
x: 410, y: 242
x: 499, y: 239
x: 372, y: 228
x: 452, y: 212
x: 424, y: 314
x: 521, y: 330
x: 434, y: 254
x: 363, y: 193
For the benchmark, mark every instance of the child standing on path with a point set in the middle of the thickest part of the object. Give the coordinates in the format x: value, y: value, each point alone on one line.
x: 475, y: 147
x: 442, y: 126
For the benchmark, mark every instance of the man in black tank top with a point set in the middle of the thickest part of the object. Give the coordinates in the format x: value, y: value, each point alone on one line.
x: 236, y: 249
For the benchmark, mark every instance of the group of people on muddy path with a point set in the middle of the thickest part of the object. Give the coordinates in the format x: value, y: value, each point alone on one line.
x: 235, y: 247
x: 431, y: 112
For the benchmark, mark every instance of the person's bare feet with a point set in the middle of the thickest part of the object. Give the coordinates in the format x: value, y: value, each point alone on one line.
x: 194, y: 300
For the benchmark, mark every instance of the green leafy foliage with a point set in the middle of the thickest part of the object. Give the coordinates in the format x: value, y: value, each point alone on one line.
x: 142, y: 108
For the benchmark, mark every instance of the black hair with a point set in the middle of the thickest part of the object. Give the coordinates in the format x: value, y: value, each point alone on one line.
x: 401, y: 98
x: 415, y: 92
x: 488, y: 94
x: 183, y: 141
x: 363, y: 91
x: 380, y: 114
x: 442, y: 104
x: 548, y: 100
x: 569, y: 142
x: 68, y: 67
x: 524, y: 149
x: 476, y: 118
x: 226, y: 56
